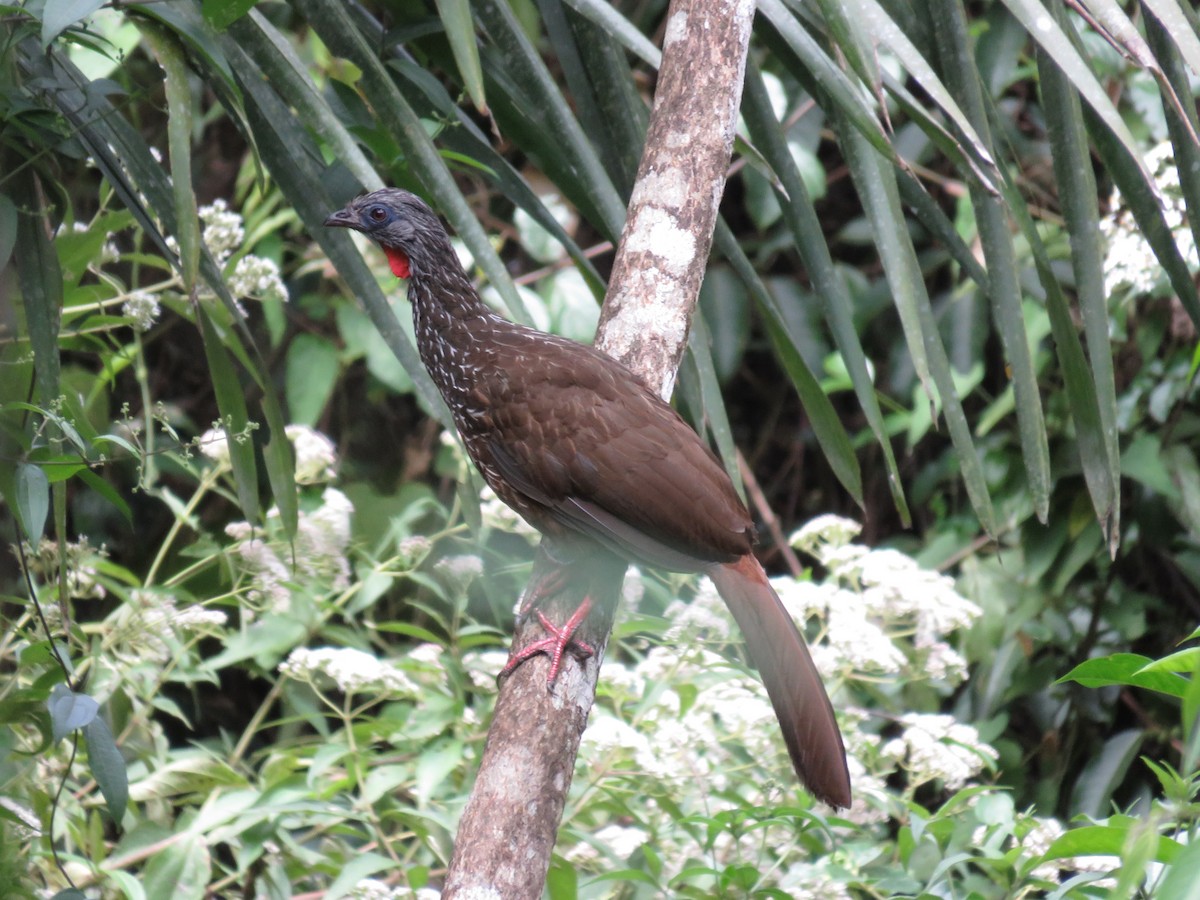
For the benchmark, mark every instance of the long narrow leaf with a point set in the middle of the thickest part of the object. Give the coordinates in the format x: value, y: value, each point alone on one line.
x: 881, y: 202
x: 802, y: 219
x: 1044, y: 29
x: 1004, y: 290
x: 525, y: 64
x: 293, y: 160
x: 1182, y: 122
x: 331, y: 21
x: 1077, y: 190
x: 826, y: 425
x: 235, y: 420
x: 460, y: 32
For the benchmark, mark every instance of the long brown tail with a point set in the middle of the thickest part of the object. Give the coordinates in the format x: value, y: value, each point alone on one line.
x: 793, y: 684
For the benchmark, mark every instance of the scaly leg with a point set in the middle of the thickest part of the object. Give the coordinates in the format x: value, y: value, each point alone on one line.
x: 559, y: 641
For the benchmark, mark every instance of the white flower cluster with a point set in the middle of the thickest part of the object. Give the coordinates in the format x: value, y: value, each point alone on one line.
x: 725, y: 718
x: 143, y: 308
x: 939, y: 748
x: 145, y: 629
x: 1038, y: 841
x: 619, y: 841
x: 374, y: 889
x: 316, y: 455
x: 1130, y: 267
x: 704, y: 615
x: 499, y: 515
x: 258, y: 277
x: 80, y: 560
x: 351, y: 671
x: 459, y: 571
x: 322, y: 540
x: 875, y: 602
x: 223, y: 231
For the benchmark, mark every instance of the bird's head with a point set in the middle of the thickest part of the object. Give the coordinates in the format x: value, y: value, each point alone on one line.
x: 401, y: 223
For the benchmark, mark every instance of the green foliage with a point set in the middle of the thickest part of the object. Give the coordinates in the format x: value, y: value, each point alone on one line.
x: 221, y: 682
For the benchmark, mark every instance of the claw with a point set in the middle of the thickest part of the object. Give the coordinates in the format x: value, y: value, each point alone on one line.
x: 559, y: 641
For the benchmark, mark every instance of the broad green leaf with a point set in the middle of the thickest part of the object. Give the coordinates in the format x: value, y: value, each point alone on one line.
x: 1106, y: 769
x: 59, y: 15
x: 1105, y: 840
x: 220, y: 14
x: 107, y: 767
x: 434, y: 765
x: 194, y: 774
x: 32, y: 500
x: 181, y: 870
x: 1125, y: 669
x: 70, y: 710
x: 362, y: 865
x: 1180, y: 881
x: 312, y: 369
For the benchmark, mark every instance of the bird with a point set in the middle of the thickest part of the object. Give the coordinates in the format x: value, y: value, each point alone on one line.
x: 586, y: 452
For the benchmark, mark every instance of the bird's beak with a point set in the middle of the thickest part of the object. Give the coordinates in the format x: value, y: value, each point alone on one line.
x: 343, y: 218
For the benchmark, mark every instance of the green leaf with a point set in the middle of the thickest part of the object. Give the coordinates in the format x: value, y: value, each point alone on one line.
x: 1105, y: 840
x: 69, y: 710
x: 108, y: 767
x: 827, y: 427
x: 180, y: 870
x: 1180, y: 882
x: 362, y: 865
x: 220, y: 14
x: 169, y: 53
x: 1107, y: 767
x: 880, y: 196
x: 802, y: 220
x: 59, y: 15
x: 32, y: 500
x: 196, y: 774
x: 1004, y: 290
x: 312, y: 370
x: 1125, y: 669
x: 1077, y: 189
x: 108, y: 492
x: 8, y: 229
x: 460, y: 31
x: 231, y: 402
x: 434, y: 765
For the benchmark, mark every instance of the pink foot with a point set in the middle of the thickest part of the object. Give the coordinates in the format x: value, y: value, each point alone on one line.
x: 559, y: 641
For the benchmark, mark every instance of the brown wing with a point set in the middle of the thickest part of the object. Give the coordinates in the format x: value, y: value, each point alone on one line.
x: 603, y: 455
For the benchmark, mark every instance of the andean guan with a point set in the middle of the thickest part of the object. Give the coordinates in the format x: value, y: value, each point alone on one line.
x: 579, y: 445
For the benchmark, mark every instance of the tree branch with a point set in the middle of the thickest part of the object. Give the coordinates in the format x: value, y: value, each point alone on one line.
x: 508, y: 828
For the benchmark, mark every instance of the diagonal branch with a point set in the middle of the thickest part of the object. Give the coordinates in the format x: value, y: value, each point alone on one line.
x: 509, y: 826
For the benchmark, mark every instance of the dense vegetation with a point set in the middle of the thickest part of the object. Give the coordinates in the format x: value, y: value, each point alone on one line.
x: 255, y: 601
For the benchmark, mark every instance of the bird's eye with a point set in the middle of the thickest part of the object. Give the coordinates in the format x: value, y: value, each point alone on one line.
x: 377, y: 213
